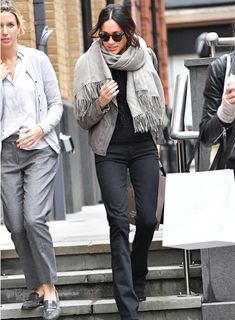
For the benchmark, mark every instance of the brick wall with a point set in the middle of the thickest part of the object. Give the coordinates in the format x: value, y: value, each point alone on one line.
x: 65, y: 44
x: 146, y: 21
x: 135, y: 12
x: 26, y: 10
x: 75, y: 38
x: 58, y: 42
x: 96, y: 6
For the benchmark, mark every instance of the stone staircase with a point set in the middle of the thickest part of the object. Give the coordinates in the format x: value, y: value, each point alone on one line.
x: 85, y: 284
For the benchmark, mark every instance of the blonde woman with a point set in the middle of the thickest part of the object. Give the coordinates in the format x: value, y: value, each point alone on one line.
x: 31, y: 108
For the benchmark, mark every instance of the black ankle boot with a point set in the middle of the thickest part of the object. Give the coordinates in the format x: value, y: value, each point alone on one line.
x: 139, y: 289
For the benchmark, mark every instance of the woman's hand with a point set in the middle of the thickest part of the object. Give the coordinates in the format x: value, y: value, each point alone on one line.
x: 229, y: 94
x: 108, y: 91
x: 29, y: 137
x: 4, y: 70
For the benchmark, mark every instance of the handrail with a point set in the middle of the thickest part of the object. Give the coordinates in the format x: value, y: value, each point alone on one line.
x: 177, y: 131
x: 213, y: 40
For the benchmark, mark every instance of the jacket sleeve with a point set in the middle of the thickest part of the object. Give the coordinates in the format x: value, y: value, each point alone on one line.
x: 93, y: 117
x: 52, y: 93
x: 211, y: 127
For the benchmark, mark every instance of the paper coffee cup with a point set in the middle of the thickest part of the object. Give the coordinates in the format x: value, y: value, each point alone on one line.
x: 230, y: 79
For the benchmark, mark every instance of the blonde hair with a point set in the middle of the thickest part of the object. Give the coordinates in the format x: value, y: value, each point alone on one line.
x: 8, y: 6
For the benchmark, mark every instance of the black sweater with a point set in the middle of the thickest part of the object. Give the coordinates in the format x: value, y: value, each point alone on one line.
x: 124, y: 129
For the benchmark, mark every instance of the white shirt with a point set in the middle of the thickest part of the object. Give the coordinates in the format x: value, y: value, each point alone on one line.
x: 20, y: 110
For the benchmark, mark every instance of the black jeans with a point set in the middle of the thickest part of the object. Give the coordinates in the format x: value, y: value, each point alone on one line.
x: 142, y: 160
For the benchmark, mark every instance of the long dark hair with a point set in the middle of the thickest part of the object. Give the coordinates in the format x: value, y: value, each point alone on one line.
x: 122, y: 17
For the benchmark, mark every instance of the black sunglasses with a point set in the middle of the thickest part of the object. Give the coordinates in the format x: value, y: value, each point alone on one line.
x: 117, y: 37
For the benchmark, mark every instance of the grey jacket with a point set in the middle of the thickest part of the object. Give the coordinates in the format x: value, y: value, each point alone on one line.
x: 101, y: 125
x: 48, y: 104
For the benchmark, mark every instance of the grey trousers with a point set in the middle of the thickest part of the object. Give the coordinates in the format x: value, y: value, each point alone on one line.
x: 27, y: 179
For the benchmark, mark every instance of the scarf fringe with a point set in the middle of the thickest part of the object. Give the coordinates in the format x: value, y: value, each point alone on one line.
x: 85, y: 97
x: 151, y: 118
x: 146, y: 122
x: 150, y: 104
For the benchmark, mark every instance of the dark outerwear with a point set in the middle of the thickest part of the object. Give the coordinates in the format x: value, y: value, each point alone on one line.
x: 212, y: 129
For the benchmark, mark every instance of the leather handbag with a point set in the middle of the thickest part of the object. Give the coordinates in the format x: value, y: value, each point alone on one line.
x: 160, y: 201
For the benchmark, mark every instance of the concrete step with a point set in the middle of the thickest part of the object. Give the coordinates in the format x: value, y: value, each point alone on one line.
x: 95, y: 255
x: 154, y: 308
x: 164, y: 280
x: 85, y: 279
x: 218, y: 310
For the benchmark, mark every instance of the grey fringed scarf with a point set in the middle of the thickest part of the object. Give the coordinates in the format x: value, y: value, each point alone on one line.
x: 144, y: 89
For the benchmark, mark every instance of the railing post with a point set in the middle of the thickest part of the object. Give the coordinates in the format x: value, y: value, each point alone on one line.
x: 181, y: 165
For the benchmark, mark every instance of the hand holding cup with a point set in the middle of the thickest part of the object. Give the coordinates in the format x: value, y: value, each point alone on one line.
x: 229, y: 93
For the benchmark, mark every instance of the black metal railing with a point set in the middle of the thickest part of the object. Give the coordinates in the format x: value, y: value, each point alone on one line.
x: 213, y: 41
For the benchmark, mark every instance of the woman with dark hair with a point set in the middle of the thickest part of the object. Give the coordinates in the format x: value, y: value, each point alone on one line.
x: 119, y: 99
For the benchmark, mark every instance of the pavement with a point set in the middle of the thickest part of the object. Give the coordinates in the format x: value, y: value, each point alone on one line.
x: 86, y: 227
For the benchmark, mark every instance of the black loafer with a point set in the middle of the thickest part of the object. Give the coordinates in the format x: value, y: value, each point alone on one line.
x: 51, y: 309
x: 32, y: 302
